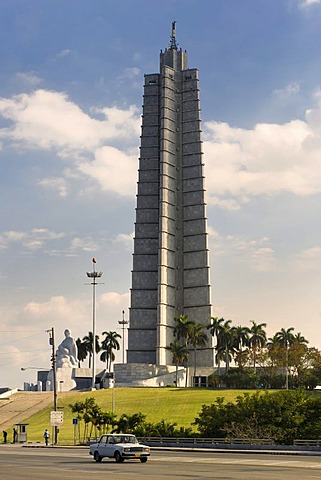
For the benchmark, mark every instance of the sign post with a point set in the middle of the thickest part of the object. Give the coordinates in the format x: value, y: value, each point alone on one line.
x: 75, y: 423
x: 56, y: 420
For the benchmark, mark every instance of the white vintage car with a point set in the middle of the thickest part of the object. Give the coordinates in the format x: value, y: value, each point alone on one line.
x: 119, y: 447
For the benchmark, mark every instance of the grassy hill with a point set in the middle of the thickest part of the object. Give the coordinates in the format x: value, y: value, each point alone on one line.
x: 175, y: 405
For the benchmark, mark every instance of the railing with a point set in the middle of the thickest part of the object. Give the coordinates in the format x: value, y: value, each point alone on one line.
x: 307, y: 443
x: 205, y: 441
x: 208, y: 442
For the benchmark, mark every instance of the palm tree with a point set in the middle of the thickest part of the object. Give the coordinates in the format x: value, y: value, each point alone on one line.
x: 108, y: 419
x: 257, y: 338
x: 182, y: 328
x: 197, y: 338
x: 273, y: 347
x: 108, y: 345
x: 78, y: 409
x: 286, y: 338
x: 180, y: 354
x: 241, y: 339
x: 88, y: 341
x: 215, y: 327
x: 81, y: 351
x: 226, y: 342
x: 300, y: 339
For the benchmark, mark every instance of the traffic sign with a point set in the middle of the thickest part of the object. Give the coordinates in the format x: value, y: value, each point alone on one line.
x: 56, y: 418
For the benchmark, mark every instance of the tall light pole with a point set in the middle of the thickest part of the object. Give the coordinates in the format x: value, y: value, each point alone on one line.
x: 54, y: 376
x: 94, y: 275
x: 123, y: 322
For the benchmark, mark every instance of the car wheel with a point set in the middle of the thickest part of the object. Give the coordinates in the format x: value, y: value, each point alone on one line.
x: 118, y: 457
x: 97, y: 457
x: 143, y: 459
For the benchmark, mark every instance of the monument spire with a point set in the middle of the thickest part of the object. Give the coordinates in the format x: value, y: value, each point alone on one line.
x: 173, y: 44
x: 170, y: 275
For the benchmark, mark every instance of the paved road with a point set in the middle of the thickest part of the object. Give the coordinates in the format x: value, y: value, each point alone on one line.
x: 72, y: 464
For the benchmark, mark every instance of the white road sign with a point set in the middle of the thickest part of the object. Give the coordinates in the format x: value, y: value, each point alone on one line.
x: 56, y: 418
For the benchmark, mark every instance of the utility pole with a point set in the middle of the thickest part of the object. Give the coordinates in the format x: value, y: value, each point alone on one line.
x: 54, y: 372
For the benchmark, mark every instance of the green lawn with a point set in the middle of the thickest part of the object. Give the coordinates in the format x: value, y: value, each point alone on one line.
x: 175, y: 405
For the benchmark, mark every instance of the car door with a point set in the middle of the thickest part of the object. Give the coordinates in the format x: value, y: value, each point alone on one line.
x: 102, y: 449
x: 110, y: 446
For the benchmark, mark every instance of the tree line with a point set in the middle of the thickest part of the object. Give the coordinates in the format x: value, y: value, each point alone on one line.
x: 107, y: 348
x: 284, y: 360
x: 281, y: 416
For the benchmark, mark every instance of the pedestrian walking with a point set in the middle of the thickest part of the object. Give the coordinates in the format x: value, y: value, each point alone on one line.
x: 5, y: 434
x: 46, y: 436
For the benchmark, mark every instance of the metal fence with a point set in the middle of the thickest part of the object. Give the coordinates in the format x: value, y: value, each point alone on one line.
x: 205, y: 441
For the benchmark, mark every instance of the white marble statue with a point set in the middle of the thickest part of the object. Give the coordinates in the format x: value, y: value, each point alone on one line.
x: 66, y: 356
x: 67, y: 351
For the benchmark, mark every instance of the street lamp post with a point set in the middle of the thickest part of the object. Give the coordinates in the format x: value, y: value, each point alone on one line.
x: 54, y: 376
x: 123, y: 322
x: 94, y: 275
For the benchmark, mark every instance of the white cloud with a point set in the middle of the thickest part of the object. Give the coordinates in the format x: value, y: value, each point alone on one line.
x: 288, y: 91
x: 114, y: 170
x: 31, y: 240
x: 240, y: 163
x: 86, y: 244
x: 227, y: 204
x: 55, y: 183
x: 49, y: 120
x: 130, y: 74
x: 266, y: 160
x: 308, y: 3
x: 126, y: 239
x: 256, y: 253
x: 64, y: 53
x: 29, y: 78
x: 115, y: 300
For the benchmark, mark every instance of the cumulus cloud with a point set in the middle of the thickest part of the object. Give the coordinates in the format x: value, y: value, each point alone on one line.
x: 113, y: 170
x: 86, y: 244
x: 265, y: 160
x: 50, y: 120
x: 257, y: 253
x: 308, y: 3
x: 55, y: 183
x: 64, y: 53
x: 115, y: 300
x: 126, y: 239
x: 130, y: 74
x: 31, y: 240
x: 288, y: 91
x: 29, y: 78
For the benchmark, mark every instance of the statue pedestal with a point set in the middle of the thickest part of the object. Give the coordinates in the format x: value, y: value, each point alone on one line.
x: 64, y: 379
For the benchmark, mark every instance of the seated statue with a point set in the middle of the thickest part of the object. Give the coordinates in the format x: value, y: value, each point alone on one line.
x: 67, y: 351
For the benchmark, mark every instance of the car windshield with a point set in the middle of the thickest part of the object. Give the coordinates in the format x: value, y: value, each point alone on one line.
x: 125, y: 439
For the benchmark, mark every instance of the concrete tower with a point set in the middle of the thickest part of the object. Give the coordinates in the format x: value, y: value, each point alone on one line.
x: 170, y: 274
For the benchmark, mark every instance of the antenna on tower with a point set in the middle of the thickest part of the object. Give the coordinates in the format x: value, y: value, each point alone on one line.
x: 173, y: 45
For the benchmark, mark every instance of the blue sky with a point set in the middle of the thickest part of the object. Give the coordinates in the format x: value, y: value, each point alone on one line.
x: 70, y: 103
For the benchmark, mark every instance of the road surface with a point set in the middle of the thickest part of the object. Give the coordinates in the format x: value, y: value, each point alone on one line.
x: 50, y: 463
